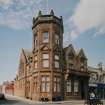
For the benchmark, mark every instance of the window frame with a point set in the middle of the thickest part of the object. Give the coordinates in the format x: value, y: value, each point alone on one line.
x: 44, y: 38
x: 45, y: 59
x: 36, y: 61
x: 45, y: 84
x: 76, y: 87
x: 57, y: 84
x: 57, y: 61
x: 68, y: 86
x: 35, y: 40
x: 57, y: 39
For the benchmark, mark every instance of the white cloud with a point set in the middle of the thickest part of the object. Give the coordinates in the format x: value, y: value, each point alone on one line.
x: 6, y: 3
x: 88, y: 14
x: 18, y: 13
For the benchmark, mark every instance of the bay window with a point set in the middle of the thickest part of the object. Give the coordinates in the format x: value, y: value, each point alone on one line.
x: 45, y: 84
x: 45, y: 60
x: 56, y: 61
x: 57, y: 86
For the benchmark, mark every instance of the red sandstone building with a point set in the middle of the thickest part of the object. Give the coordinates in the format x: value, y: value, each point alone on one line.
x: 49, y: 70
x: 8, y: 87
x: 0, y: 88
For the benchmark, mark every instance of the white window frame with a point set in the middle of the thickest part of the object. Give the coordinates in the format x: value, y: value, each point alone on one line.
x: 68, y: 86
x: 76, y: 86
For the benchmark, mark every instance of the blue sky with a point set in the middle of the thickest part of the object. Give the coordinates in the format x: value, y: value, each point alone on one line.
x: 84, y: 27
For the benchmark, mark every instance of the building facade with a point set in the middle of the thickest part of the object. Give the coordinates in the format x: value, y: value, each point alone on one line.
x: 0, y: 88
x: 76, y: 74
x: 97, y: 81
x: 49, y: 70
x: 8, y: 87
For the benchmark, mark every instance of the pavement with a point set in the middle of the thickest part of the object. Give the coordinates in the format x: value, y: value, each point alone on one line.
x: 14, y: 100
x: 72, y: 102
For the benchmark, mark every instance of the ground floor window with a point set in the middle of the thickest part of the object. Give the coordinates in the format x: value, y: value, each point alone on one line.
x: 45, y: 84
x: 76, y: 85
x: 35, y: 84
x: 68, y: 87
x: 57, y: 86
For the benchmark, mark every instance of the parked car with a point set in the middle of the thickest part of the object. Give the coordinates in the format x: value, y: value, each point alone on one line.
x: 2, y: 96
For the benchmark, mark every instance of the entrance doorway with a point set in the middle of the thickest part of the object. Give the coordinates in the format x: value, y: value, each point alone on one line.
x: 82, y: 89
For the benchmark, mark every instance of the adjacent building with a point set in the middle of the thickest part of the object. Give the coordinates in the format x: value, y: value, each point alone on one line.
x: 8, y: 87
x: 97, y: 81
x: 0, y: 88
x: 49, y: 70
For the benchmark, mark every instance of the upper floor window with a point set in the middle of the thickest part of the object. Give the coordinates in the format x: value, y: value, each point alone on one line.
x: 56, y: 57
x: 36, y: 62
x: 71, y: 56
x: 45, y: 60
x: 45, y: 37
x: 56, y: 61
x: 57, y: 39
x: 35, y: 40
x: 56, y: 64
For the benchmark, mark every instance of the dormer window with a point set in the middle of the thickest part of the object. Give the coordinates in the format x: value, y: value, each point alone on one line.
x: 70, y: 56
x: 83, y: 62
x: 45, y: 37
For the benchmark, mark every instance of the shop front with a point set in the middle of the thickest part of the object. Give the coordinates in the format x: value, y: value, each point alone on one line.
x: 99, y: 89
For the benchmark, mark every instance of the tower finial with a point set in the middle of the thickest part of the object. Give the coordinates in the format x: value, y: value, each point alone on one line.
x: 47, y: 6
x: 33, y: 19
x: 52, y: 12
x: 40, y: 13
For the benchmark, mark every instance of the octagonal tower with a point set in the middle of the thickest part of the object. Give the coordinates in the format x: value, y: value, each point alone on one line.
x: 47, y: 53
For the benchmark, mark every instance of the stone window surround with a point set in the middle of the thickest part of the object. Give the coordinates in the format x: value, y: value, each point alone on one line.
x: 44, y: 38
x: 57, y: 39
x: 56, y: 61
x: 57, y: 83
x: 36, y: 62
x: 45, y: 83
x: 45, y: 59
x: 35, y: 39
